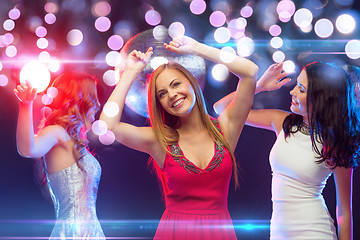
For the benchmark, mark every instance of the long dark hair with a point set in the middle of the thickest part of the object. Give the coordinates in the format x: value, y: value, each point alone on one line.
x: 333, y: 115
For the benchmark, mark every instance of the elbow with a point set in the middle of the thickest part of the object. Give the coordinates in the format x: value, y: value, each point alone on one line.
x: 25, y: 153
x: 254, y: 70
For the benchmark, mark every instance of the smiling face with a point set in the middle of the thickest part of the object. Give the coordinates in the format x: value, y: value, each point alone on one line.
x: 174, y: 92
x: 299, y: 95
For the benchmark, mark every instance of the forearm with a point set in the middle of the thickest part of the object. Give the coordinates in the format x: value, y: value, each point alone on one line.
x: 345, y: 228
x: 25, y: 129
x: 118, y: 96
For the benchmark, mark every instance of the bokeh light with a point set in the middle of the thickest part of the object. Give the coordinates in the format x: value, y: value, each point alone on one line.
x: 176, y: 30
x: 217, y: 19
x: 113, y: 58
x: 102, y: 24
x: 111, y: 77
x: 303, y: 17
x: 152, y: 17
x: 237, y: 27
x: 222, y: 35
x: 46, y: 99
x: 285, y: 10
x: 245, y: 47
x: 220, y: 72
x: 246, y: 11
x: 50, y: 18
x: 52, y: 92
x: 107, y: 138
x: 3, y: 80
x: 352, y: 49
x: 14, y: 13
x: 278, y: 56
x: 51, y: 7
x: 289, y: 66
x: 275, y: 30
x: 160, y: 32
x: 44, y: 57
x: 227, y: 54
x: 9, y: 25
x: 40, y: 31
x: 101, y: 9
x: 99, y: 127
x: 197, y: 7
x: 276, y: 42
x: 75, y: 37
x: 111, y: 109
x: 42, y: 43
x: 345, y: 24
x: 54, y: 65
x: 115, y: 42
x: 37, y: 74
x: 8, y: 38
x: 11, y: 51
x: 324, y: 28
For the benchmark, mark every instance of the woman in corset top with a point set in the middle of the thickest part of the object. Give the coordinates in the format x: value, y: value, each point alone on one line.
x: 71, y: 172
x: 319, y: 137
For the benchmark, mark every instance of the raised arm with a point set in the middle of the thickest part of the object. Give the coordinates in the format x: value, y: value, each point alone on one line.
x: 139, y: 138
x: 28, y: 144
x: 343, y: 181
x: 233, y: 118
x: 271, y: 119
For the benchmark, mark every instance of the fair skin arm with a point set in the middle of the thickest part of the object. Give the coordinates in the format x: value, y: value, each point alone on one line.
x: 28, y: 144
x: 270, y: 119
x: 233, y: 118
x: 139, y: 138
x: 343, y: 181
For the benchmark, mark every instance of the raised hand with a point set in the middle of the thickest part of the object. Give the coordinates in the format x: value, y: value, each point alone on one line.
x: 25, y: 92
x: 270, y: 80
x: 183, y: 45
x: 137, y: 60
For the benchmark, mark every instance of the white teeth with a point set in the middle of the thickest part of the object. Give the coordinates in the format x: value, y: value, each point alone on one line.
x: 177, y: 102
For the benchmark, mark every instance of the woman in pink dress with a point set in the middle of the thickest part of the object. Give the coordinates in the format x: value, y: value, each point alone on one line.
x: 192, y: 151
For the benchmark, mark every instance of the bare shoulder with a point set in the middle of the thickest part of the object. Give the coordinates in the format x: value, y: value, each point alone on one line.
x: 278, y: 119
x: 56, y: 131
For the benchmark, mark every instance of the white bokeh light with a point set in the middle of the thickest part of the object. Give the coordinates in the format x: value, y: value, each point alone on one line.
x: 345, y: 24
x: 113, y: 58
x: 324, y: 28
x: 111, y: 109
x: 37, y: 74
x: 303, y: 17
x: 111, y: 77
x: 227, y: 54
x: 99, y: 127
x: 220, y: 72
x: 176, y: 30
x: 278, y: 56
x: 352, y: 49
x: 74, y: 37
x: 245, y: 47
x: 222, y: 35
x: 289, y: 66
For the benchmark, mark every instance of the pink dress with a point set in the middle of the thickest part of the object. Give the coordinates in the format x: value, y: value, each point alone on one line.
x: 196, y: 199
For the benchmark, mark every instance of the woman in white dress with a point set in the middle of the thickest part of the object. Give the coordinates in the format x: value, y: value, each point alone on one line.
x: 318, y: 138
x: 71, y: 172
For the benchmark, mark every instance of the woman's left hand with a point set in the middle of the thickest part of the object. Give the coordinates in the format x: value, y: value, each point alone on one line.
x: 183, y: 45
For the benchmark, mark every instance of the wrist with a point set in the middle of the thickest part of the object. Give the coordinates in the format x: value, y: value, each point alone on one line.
x: 259, y: 88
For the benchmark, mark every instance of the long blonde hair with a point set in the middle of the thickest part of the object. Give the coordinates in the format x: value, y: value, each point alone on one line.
x: 165, y: 124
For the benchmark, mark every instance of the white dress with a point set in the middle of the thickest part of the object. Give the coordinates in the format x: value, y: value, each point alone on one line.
x: 74, y: 193
x: 299, y: 209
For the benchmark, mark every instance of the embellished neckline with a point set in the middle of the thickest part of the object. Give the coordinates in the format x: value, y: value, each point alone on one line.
x: 304, y: 128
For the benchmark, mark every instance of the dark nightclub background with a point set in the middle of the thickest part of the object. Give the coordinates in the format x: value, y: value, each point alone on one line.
x: 130, y: 202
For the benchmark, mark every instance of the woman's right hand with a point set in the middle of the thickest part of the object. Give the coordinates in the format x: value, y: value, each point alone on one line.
x: 25, y: 92
x: 137, y: 60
